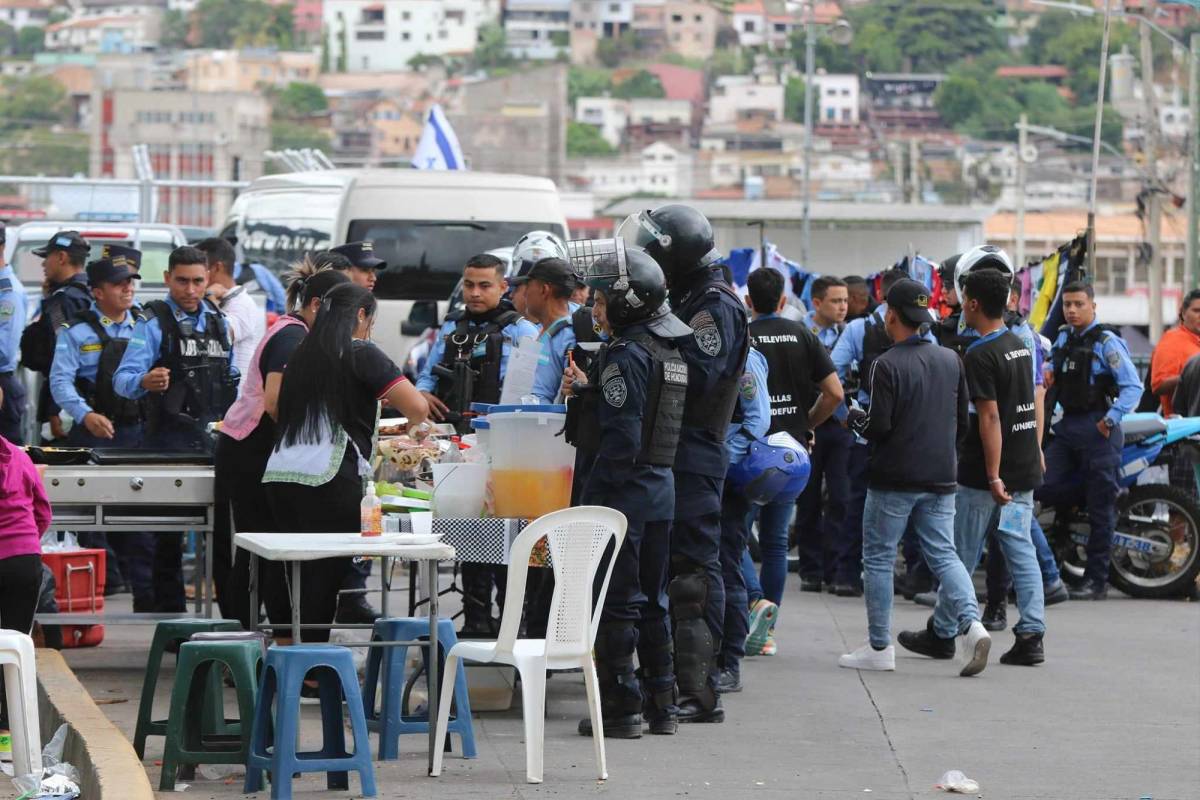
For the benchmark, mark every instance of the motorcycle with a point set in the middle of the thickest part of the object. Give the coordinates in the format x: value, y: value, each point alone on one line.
x: 1156, y: 544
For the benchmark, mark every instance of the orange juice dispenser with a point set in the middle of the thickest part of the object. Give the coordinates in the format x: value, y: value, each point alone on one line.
x: 532, y: 464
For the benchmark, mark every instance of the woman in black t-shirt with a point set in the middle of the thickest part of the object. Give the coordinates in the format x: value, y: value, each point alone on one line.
x: 328, y: 406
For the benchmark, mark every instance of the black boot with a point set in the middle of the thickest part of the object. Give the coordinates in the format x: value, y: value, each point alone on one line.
x: 353, y: 608
x: 477, y: 603
x: 927, y: 643
x: 620, y: 690
x: 657, y: 673
x: 694, y: 709
x: 995, y: 615
x: 1026, y: 651
x: 1090, y: 589
x: 695, y: 650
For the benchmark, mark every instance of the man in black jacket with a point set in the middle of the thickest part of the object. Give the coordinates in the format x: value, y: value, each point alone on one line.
x: 916, y: 387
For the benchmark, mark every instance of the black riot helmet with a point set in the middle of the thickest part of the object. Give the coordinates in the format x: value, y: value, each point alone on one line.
x: 634, y: 290
x: 678, y: 237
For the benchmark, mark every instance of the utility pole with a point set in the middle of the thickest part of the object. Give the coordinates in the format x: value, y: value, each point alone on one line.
x: 810, y: 60
x: 914, y: 167
x: 1193, y: 194
x: 1096, y: 129
x: 1154, y: 196
x: 1022, y: 141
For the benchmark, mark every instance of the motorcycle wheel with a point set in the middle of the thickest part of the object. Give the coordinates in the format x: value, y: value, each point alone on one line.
x: 1168, y: 516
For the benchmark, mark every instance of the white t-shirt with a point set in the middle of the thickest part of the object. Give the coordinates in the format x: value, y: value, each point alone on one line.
x: 247, y: 326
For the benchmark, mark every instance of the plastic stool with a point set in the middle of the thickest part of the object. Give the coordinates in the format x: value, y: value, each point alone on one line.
x: 20, y: 692
x: 283, y: 676
x: 166, y: 633
x: 188, y: 741
x: 213, y: 714
x: 389, y: 663
x: 232, y: 636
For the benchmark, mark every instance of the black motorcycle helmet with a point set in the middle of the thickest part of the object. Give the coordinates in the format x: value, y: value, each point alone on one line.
x: 634, y: 290
x: 678, y: 237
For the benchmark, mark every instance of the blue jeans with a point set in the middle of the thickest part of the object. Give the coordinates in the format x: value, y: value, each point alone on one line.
x: 976, y: 515
x: 1045, y: 555
x: 885, y: 516
x: 773, y: 520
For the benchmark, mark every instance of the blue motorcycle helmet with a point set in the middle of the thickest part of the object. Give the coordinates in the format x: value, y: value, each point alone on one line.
x: 774, y: 470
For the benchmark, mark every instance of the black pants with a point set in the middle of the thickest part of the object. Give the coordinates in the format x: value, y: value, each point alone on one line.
x: 12, y: 407
x: 240, y: 492
x: 20, y: 579
x: 328, y: 508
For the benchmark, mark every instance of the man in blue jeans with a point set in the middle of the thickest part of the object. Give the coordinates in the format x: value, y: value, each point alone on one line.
x: 916, y: 388
x: 999, y: 467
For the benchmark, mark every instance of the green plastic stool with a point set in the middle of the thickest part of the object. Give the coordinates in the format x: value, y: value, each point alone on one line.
x: 188, y: 741
x: 166, y: 633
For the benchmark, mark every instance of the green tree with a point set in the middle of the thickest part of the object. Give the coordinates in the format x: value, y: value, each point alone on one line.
x: 38, y: 100
x: 31, y: 40
x: 587, y: 82
x: 492, y: 48
x: 41, y: 151
x: 959, y: 98
x: 174, y: 30
x: 286, y: 135
x: 585, y: 140
x: 8, y: 39
x: 793, y: 100
x: 1074, y: 42
x: 921, y: 35
x: 299, y: 100
x: 222, y: 24
x: 641, y: 84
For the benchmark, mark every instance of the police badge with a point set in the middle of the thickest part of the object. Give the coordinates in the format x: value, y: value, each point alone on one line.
x: 708, y: 337
x: 615, y: 392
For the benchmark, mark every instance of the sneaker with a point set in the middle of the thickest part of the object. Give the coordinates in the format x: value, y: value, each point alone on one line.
x: 769, y: 648
x: 976, y: 646
x: 1056, y: 593
x: 762, y: 619
x: 847, y: 590
x: 730, y: 681
x: 927, y: 643
x: 995, y: 616
x: 1089, y: 590
x: 868, y: 658
x: 810, y: 584
x: 1026, y: 651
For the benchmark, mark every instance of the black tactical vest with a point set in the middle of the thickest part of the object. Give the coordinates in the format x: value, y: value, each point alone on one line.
x: 470, y: 367
x: 662, y: 418
x: 875, y: 343
x: 203, y: 382
x: 37, y: 340
x: 587, y: 337
x: 99, y: 393
x: 947, y: 334
x: 711, y: 411
x: 1073, y: 387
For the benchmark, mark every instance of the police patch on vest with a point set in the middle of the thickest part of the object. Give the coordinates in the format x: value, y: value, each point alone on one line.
x: 610, y: 372
x: 190, y: 348
x: 675, y: 372
x: 708, y: 337
x: 94, y: 347
x: 7, y: 309
x: 1113, y: 357
x: 747, y: 386
x: 615, y: 392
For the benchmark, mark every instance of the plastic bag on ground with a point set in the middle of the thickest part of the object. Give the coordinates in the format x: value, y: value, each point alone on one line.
x: 955, y: 781
x: 57, y: 777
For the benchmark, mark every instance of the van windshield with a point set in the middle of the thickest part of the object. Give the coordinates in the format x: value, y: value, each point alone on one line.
x: 279, y: 229
x: 425, y: 257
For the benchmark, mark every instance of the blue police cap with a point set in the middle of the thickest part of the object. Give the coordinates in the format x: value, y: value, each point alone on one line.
x: 117, y: 263
x: 361, y: 255
x: 68, y: 241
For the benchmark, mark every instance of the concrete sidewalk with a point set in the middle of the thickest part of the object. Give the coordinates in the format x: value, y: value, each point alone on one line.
x: 1114, y: 713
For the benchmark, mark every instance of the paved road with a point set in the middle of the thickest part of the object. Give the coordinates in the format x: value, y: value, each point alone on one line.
x: 1114, y: 713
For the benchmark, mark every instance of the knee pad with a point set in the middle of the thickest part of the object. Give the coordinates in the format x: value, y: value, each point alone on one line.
x: 695, y: 647
x: 688, y: 592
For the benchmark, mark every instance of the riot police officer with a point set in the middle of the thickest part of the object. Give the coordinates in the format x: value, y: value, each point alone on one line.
x: 89, y: 349
x: 467, y: 364
x: 1096, y: 384
x: 63, y: 259
x: 627, y: 411
x: 681, y: 240
x: 12, y: 322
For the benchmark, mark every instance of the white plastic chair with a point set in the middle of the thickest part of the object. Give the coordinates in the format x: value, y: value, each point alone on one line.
x: 578, y: 538
x: 20, y: 689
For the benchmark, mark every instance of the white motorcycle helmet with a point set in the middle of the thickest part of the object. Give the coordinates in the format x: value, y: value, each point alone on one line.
x: 532, y: 248
x: 984, y: 256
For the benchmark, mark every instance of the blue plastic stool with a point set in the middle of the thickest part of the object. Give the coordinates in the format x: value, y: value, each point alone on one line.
x: 286, y: 668
x: 388, y: 663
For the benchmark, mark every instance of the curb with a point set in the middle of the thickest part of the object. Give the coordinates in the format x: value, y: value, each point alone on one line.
x: 108, y: 767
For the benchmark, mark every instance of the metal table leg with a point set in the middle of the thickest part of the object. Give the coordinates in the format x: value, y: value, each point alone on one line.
x: 207, y: 575
x: 296, y: 603
x: 435, y: 687
x: 385, y: 581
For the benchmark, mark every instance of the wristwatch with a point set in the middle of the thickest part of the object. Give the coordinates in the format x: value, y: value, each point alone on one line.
x: 1108, y: 423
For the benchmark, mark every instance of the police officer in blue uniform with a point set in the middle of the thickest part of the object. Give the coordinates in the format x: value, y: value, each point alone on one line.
x: 363, y: 262
x: 12, y: 323
x: 548, y: 285
x: 1096, y: 384
x: 63, y: 259
x: 627, y: 411
x: 89, y: 349
x: 681, y: 240
x: 467, y: 364
x: 863, y: 341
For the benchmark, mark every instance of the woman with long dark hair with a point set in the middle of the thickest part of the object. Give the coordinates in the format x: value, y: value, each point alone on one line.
x: 328, y: 408
x: 245, y: 443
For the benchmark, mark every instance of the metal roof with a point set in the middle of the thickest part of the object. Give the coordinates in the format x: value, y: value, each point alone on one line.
x: 793, y: 211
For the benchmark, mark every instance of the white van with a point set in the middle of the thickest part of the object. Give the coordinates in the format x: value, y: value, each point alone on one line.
x: 425, y: 224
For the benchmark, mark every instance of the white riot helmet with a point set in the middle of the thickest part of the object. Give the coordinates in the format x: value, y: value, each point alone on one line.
x: 985, y: 256
x: 532, y: 248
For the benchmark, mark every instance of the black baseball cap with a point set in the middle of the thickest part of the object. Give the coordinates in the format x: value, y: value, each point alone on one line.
x: 361, y: 255
x: 910, y: 300
x: 116, y: 263
x: 68, y: 241
x: 554, y: 271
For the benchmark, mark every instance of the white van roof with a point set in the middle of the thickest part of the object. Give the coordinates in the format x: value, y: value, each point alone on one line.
x: 402, y: 179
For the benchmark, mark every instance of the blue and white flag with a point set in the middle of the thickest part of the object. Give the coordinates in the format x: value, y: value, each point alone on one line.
x: 439, y: 146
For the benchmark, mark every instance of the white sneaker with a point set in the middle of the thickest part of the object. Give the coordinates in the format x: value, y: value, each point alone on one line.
x: 867, y: 657
x: 976, y: 646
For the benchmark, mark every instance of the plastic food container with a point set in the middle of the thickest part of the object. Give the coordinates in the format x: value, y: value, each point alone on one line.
x: 532, y: 464
x: 459, y: 489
